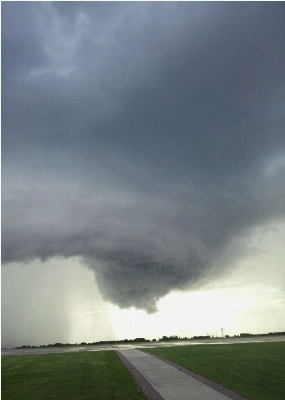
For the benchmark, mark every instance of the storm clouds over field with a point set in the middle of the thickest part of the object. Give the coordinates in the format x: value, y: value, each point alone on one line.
x: 145, y: 138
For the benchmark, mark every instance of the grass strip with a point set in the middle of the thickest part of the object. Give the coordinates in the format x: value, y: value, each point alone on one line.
x: 253, y: 370
x: 80, y: 376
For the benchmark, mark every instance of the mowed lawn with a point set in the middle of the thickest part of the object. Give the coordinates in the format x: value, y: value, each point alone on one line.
x: 253, y: 370
x: 85, y: 375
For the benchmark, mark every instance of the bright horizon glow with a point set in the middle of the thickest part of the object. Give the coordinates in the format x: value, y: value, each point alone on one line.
x: 202, y: 313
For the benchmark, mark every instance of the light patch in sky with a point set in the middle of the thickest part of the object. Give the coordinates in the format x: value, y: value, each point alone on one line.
x: 236, y: 310
x: 275, y: 164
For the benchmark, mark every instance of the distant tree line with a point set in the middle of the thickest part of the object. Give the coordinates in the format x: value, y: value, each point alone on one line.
x: 201, y: 337
x: 262, y: 334
x: 140, y: 340
x: 172, y: 337
x: 114, y: 342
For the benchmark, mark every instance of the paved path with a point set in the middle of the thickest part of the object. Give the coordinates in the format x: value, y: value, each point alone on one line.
x: 168, y: 381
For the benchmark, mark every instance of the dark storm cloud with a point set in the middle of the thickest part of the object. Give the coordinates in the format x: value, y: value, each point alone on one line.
x: 147, y: 138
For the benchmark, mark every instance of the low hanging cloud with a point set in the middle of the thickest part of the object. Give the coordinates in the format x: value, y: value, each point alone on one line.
x: 147, y: 138
x: 140, y: 246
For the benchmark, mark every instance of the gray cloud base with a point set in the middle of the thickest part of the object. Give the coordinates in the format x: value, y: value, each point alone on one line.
x: 146, y: 138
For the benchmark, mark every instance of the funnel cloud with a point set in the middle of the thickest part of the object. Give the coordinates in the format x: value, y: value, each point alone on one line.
x: 147, y: 139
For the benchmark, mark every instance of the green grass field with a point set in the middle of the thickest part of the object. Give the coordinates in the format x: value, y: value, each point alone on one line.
x: 80, y: 376
x: 253, y: 370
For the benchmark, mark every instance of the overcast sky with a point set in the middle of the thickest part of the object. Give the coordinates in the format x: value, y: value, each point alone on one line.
x: 143, y: 157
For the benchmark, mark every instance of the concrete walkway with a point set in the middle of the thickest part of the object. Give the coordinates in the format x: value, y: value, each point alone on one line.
x: 169, y: 381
